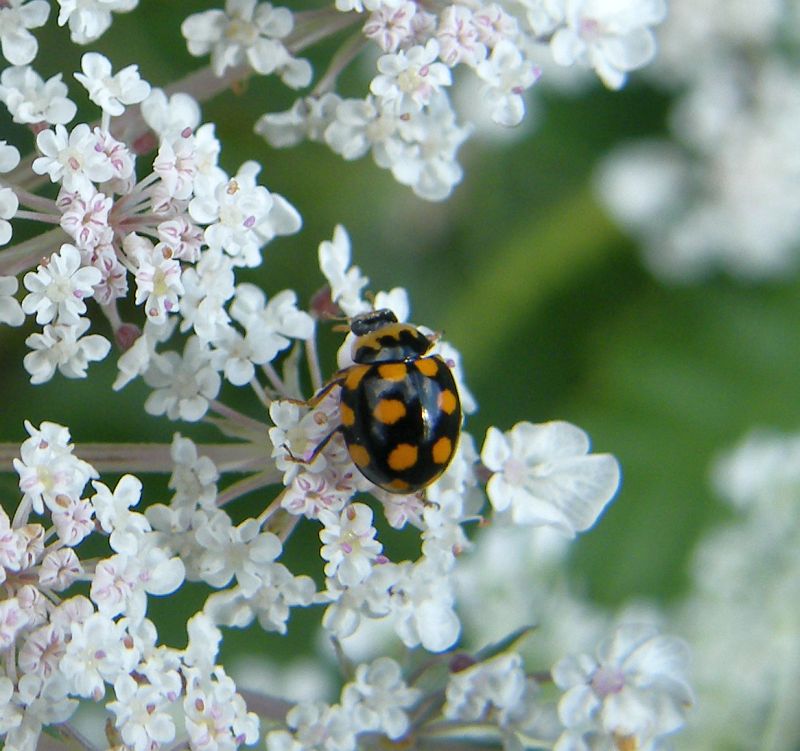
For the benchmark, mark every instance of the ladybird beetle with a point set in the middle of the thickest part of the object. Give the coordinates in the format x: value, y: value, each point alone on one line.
x: 399, y: 407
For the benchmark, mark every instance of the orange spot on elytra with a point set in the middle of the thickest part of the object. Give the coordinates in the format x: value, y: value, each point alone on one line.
x: 393, y: 371
x: 354, y: 376
x: 427, y: 366
x: 389, y: 411
x: 359, y: 455
x: 346, y: 415
x: 447, y: 401
x: 403, y: 456
x: 442, y: 450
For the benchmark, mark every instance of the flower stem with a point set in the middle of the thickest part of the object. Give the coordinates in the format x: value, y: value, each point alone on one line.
x: 154, y: 457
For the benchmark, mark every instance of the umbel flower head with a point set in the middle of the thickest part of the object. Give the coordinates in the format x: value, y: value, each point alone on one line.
x: 155, y: 246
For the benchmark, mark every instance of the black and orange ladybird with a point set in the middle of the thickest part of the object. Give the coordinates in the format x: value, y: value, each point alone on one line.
x: 399, y: 407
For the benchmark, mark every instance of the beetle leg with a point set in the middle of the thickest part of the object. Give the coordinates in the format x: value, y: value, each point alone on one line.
x: 317, y: 449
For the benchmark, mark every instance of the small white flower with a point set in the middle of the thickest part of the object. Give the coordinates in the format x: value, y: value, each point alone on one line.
x: 279, y: 590
x: 89, y: 19
x: 307, y: 118
x: 141, y: 714
x: 423, y: 602
x: 12, y: 619
x: 125, y: 528
x: 72, y: 519
x: 59, y: 569
x: 390, y: 26
x: 425, y: 160
x: 43, y: 649
x: 215, y: 714
x: 176, y: 166
x: 183, y: 384
x: 18, y: 45
x: 208, y: 285
x: 247, y: 32
x: 32, y: 100
x: 11, y: 312
x: 634, y: 692
x: 158, y: 281
x: 507, y: 74
x: 73, y: 159
x: 410, y: 78
x: 86, y: 220
x: 111, y: 92
x: 458, y: 37
x: 172, y: 117
x: 63, y: 347
x: 611, y: 37
x: 316, y: 726
x: 546, y: 476
x: 346, y: 281
x: 58, y: 287
x: 229, y: 551
x: 194, y: 477
x: 243, y: 216
x: 182, y: 237
x: 98, y: 651
x: 349, y: 544
x: 378, y: 697
x: 47, y: 468
x: 497, y: 684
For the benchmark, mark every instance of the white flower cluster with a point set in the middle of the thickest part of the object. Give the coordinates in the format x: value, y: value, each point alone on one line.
x: 745, y: 581
x: 723, y: 194
x: 164, y: 232
x: 73, y: 617
x: 61, y: 646
x: 407, y: 121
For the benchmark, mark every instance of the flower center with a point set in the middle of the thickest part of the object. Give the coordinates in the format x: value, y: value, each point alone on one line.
x: 607, y: 681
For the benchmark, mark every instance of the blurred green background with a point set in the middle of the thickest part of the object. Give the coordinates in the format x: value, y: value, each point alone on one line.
x: 524, y: 274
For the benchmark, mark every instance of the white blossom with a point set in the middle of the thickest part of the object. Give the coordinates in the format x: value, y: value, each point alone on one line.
x: 346, y: 281
x: 507, y: 74
x: 249, y: 32
x: 111, y: 92
x: 58, y: 287
x: 611, y: 37
x: 89, y: 19
x: 59, y: 569
x: 183, y: 384
x: 47, y: 467
x: 17, y: 44
x: 97, y: 651
x: 169, y: 118
x: 634, y: 691
x: 498, y: 684
x: 409, y: 78
x: 229, y: 551
x: 545, y: 475
x: 11, y: 312
x: 72, y: 158
x: 243, y: 216
x: 63, y: 347
x: 378, y: 697
x: 349, y: 544
x: 30, y: 99
x: 141, y: 714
